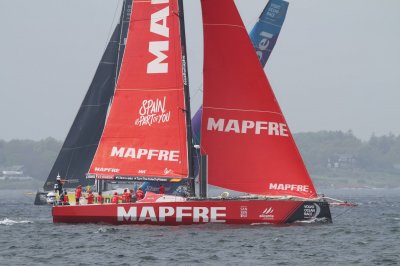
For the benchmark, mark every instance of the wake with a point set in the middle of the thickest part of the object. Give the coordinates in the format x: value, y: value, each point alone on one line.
x: 7, y: 221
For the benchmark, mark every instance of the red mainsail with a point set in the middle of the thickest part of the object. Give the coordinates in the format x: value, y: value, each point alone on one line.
x: 244, y: 133
x: 145, y: 133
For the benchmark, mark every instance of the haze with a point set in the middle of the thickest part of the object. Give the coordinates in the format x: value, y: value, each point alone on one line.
x: 335, y: 66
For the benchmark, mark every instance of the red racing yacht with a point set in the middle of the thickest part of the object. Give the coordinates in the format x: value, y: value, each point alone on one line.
x: 246, y: 144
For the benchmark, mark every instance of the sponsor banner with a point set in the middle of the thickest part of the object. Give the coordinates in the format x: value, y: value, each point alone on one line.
x: 145, y: 134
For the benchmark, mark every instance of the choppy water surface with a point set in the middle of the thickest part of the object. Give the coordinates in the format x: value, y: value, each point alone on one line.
x: 365, y: 235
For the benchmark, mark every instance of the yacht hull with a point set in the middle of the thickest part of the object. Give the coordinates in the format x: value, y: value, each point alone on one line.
x: 225, y: 211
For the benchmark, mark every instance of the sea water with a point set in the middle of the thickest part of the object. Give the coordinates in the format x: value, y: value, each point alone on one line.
x: 365, y: 235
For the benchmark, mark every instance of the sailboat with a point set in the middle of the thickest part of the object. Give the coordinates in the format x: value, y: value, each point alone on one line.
x: 77, y: 152
x: 246, y: 144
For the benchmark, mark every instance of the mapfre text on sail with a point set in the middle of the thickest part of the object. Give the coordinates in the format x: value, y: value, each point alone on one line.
x: 248, y: 127
x: 149, y: 154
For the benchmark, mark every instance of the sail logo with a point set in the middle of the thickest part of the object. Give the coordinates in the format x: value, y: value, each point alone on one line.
x: 311, y: 211
x: 274, y: 10
x: 289, y: 187
x: 243, y: 211
x: 148, y: 154
x: 153, y: 112
x: 158, y: 26
x: 263, y: 44
x: 248, y: 127
x: 267, y: 214
x: 194, y: 214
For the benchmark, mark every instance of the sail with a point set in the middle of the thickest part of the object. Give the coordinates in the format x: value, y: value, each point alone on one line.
x: 146, y: 136
x: 80, y: 145
x: 244, y: 133
x: 266, y: 31
x: 263, y: 36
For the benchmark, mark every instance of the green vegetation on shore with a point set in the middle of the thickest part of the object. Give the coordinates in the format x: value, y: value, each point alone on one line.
x: 333, y: 158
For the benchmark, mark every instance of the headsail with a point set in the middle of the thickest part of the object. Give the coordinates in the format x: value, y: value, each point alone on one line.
x: 263, y: 36
x: 79, y: 147
x: 249, y: 145
x: 145, y: 136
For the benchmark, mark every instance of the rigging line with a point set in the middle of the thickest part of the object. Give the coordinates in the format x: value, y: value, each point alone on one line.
x: 199, y: 89
x: 241, y: 110
x: 340, y: 214
x: 111, y: 26
x: 226, y: 25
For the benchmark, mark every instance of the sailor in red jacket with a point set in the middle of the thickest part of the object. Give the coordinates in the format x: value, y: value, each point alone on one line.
x: 139, y: 194
x: 90, y: 197
x: 125, y: 196
x: 65, y: 200
x: 78, y: 194
x: 100, y: 198
x: 162, y: 189
x: 115, y: 198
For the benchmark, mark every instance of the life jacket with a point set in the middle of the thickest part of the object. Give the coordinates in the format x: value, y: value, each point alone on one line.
x: 124, y: 197
x: 78, y: 193
x: 100, y: 199
x: 90, y: 198
x: 139, y: 194
x: 65, y: 200
x: 115, y: 199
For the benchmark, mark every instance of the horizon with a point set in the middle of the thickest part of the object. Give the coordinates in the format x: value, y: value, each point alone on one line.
x: 296, y: 133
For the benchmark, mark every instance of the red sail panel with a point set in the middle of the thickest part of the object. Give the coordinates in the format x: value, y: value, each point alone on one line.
x: 145, y: 133
x: 244, y: 133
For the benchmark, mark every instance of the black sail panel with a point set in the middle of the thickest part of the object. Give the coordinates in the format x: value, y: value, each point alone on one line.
x: 82, y: 140
x: 79, y: 147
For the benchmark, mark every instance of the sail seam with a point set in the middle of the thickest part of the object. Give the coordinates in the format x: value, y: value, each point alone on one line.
x: 230, y: 25
x: 75, y: 148
x: 93, y: 105
x: 149, y: 89
x: 241, y: 110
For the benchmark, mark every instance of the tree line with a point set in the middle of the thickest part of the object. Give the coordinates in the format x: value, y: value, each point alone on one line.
x: 325, y: 153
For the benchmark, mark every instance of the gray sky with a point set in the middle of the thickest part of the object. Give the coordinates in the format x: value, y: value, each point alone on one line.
x: 335, y: 66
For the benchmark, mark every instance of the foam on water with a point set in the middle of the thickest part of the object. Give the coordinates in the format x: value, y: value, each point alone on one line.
x: 7, y: 221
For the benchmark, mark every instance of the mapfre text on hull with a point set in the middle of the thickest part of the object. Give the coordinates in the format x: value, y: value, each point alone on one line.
x: 231, y: 211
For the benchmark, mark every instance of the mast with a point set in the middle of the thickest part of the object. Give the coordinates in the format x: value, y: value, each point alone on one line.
x: 187, y: 99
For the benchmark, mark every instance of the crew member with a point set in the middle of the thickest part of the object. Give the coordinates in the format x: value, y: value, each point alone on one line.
x: 78, y: 194
x: 90, y: 197
x: 65, y: 199
x: 58, y: 186
x: 100, y: 198
x: 124, y: 196
x: 162, y: 189
x: 139, y: 194
x: 115, y: 198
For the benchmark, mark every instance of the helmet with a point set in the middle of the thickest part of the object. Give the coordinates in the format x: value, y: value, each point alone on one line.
x: 115, y: 193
